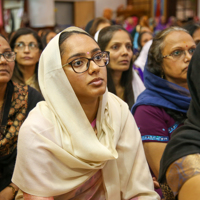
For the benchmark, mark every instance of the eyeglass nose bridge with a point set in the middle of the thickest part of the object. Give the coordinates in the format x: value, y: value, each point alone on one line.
x: 88, y: 62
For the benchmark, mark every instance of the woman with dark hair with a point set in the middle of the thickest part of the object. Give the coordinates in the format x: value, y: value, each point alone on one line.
x: 80, y: 147
x: 162, y: 107
x: 180, y: 164
x: 28, y: 47
x: 16, y: 101
x: 49, y: 34
x: 122, y: 79
x: 143, y: 38
x: 194, y: 31
x: 98, y: 24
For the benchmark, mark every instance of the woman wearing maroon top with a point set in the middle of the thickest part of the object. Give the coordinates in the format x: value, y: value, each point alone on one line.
x: 162, y: 107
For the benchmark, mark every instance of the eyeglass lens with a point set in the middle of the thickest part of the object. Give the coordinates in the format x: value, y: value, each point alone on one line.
x: 82, y: 64
x: 9, y: 56
x: 22, y: 45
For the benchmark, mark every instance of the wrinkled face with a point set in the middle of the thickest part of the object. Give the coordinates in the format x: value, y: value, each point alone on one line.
x: 90, y: 84
x: 6, y: 68
x: 27, y: 56
x: 196, y: 36
x: 180, y: 46
x: 50, y: 36
x: 145, y: 38
x: 120, y: 48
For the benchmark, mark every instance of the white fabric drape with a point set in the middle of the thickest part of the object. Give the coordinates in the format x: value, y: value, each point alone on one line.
x: 58, y: 149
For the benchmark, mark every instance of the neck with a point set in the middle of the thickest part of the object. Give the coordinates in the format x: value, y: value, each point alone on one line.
x: 116, y: 76
x: 181, y: 83
x: 28, y: 71
x: 185, y: 85
x: 2, y: 93
x: 90, y: 109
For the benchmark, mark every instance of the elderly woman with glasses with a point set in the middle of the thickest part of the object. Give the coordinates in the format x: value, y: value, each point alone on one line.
x: 162, y: 107
x: 15, y: 103
x: 76, y: 144
x: 28, y: 46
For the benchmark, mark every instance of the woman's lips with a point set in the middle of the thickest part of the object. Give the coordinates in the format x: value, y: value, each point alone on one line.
x: 96, y: 82
x: 4, y: 71
x: 27, y: 58
x: 185, y: 69
x: 124, y: 62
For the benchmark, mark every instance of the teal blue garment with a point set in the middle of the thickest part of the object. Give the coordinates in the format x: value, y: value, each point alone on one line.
x: 135, y: 41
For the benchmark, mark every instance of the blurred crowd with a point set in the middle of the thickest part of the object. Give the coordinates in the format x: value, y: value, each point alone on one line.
x: 151, y: 67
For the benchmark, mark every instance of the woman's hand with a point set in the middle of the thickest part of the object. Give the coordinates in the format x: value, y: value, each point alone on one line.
x: 6, y: 194
x: 155, y: 182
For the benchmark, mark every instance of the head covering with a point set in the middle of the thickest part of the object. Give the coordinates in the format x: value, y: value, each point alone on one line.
x: 162, y: 93
x: 80, y: 147
x: 186, y: 139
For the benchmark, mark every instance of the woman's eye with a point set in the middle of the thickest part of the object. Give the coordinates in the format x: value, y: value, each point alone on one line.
x: 98, y: 57
x: 8, y: 54
x: 114, y: 47
x: 177, y: 53
x: 191, y: 51
x: 77, y: 63
x: 32, y: 44
x: 129, y: 47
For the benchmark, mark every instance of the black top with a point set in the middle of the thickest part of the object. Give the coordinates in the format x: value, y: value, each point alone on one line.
x: 19, y: 100
x: 186, y: 139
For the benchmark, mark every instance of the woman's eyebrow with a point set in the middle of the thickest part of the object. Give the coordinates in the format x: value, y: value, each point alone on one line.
x: 7, y: 49
x: 83, y: 54
x: 95, y: 50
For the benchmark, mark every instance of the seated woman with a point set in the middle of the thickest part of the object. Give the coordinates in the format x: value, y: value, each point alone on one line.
x: 15, y: 103
x: 165, y: 101
x: 98, y: 24
x: 49, y: 34
x: 122, y: 79
x: 76, y: 144
x: 194, y: 31
x: 181, y: 170
x: 143, y: 39
x: 28, y: 46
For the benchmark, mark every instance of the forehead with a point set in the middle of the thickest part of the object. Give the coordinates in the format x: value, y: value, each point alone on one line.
x: 145, y: 35
x: 79, y: 43
x: 178, y: 39
x: 3, y: 43
x: 120, y: 36
x: 26, y: 38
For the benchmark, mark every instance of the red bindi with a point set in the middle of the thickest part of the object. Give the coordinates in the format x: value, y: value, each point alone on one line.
x: 186, y: 46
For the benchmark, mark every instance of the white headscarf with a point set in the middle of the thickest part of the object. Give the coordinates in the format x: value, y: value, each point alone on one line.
x: 80, y: 147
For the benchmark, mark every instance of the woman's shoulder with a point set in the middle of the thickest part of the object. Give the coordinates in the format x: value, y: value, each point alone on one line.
x: 37, y: 121
x: 151, y: 110
x: 116, y: 101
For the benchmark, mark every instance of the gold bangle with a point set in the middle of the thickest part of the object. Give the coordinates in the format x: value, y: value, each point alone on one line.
x: 14, y: 190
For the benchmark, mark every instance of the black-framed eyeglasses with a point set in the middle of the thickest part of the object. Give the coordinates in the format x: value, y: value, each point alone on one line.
x: 80, y: 65
x: 9, y: 56
x: 180, y: 54
x: 21, y: 46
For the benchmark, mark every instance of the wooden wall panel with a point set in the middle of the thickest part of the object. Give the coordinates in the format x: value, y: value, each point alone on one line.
x: 83, y: 13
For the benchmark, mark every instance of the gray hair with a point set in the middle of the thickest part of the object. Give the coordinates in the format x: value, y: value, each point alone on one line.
x: 155, y: 57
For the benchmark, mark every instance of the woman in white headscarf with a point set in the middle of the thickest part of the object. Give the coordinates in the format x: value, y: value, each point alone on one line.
x: 82, y: 142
